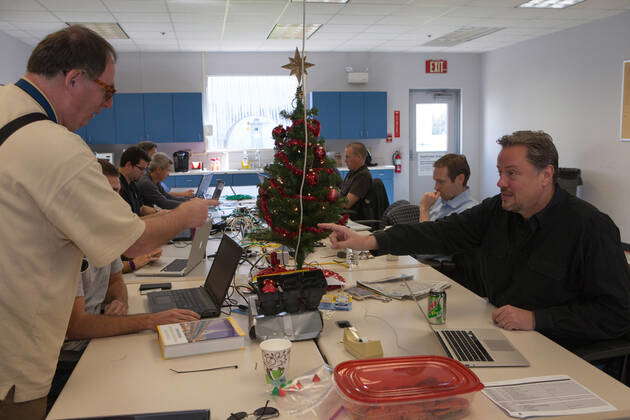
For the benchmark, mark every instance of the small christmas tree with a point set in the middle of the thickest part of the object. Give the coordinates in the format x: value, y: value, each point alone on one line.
x: 279, y: 196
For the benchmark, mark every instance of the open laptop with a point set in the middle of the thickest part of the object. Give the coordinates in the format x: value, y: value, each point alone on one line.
x: 203, y: 186
x: 207, y: 299
x: 178, y: 267
x: 476, y: 347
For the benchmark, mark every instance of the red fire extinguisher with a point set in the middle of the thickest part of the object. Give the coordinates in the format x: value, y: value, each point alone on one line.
x: 397, y: 159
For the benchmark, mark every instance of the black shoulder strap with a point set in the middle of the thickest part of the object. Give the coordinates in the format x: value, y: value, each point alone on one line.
x: 18, y: 123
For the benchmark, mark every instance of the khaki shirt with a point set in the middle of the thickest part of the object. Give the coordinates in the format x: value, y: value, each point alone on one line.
x: 56, y: 206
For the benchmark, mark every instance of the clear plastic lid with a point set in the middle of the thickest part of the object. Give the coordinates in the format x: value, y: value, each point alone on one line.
x: 404, y: 379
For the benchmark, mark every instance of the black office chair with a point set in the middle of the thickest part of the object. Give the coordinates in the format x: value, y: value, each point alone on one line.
x: 604, y: 352
x: 372, y: 207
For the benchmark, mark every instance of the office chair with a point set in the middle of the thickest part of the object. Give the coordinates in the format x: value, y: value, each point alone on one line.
x: 604, y: 351
x: 372, y: 207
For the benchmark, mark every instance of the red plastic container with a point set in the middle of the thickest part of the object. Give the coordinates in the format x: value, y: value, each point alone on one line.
x: 401, y: 388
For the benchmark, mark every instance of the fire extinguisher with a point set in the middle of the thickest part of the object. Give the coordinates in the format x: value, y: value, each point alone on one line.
x: 397, y: 160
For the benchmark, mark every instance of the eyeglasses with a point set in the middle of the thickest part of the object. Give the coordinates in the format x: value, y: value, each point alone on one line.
x: 108, y: 90
x: 142, y: 168
x: 261, y: 413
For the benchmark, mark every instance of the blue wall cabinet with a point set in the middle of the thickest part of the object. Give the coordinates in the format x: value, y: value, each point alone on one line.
x: 158, y: 117
x: 351, y: 115
x: 187, y: 118
x: 327, y: 104
x: 375, y: 112
x: 102, y: 128
x: 129, y: 114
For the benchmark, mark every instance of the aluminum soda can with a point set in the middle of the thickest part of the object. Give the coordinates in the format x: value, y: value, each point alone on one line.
x: 436, y: 310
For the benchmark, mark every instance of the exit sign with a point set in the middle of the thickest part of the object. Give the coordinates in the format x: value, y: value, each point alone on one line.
x: 436, y: 66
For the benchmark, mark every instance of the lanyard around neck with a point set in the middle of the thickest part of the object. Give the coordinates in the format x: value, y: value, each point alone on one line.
x: 27, y: 87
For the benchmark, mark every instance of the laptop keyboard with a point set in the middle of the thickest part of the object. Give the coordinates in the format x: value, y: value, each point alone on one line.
x: 466, y: 346
x: 191, y: 299
x: 176, y: 265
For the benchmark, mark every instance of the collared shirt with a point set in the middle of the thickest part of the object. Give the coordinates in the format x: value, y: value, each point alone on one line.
x: 130, y: 193
x: 456, y: 204
x: 57, y: 207
x: 565, y: 264
x: 357, y: 182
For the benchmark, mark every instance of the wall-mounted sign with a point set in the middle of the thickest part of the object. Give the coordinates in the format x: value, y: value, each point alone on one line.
x: 436, y: 66
x: 396, y: 123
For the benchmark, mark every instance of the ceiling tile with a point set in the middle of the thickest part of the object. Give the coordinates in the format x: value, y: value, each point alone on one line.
x: 251, y: 19
x: 24, y: 16
x: 139, y: 35
x: 74, y: 5
x: 354, y: 19
x: 196, y: 8
x: 393, y: 29
x: 24, y: 5
x: 288, y: 18
x: 193, y: 18
x: 85, y: 16
x: 374, y: 35
x: 259, y: 7
x: 123, y: 17
x: 48, y: 27
x: 146, y: 26
x: 7, y: 25
x: 136, y: 6
x: 315, y: 8
x: 194, y: 27
x: 369, y: 9
x: 331, y: 28
x: 199, y: 36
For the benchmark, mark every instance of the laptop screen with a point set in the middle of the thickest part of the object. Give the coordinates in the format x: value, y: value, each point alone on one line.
x: 223, y: 269
x: 204, y: 185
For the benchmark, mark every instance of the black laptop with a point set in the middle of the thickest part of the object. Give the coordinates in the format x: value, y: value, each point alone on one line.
x: 206, y: 300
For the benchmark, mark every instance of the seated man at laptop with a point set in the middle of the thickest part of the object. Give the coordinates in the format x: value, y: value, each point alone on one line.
x: 150, y: 184
x: 151, y: 148
x: 549, y: 261
x: 133, y: 164
x: 358, y: 180
x: 132, y: 264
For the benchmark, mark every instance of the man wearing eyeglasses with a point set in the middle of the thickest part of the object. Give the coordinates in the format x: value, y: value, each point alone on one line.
x: 57, y: 207
x: 133, y: 164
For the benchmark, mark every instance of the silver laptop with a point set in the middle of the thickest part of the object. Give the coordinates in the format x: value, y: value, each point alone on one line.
x: 208, y: 299
x: 475, y: 347
x: 178, y: 267
x: 203, y: 186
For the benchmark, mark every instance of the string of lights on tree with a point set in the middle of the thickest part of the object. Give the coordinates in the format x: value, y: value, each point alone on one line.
x: 279, y: 195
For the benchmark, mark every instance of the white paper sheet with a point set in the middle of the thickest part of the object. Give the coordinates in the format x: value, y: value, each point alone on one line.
x: 544, y: 396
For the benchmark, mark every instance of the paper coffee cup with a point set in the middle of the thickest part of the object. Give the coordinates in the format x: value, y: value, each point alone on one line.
x: 275, y: 356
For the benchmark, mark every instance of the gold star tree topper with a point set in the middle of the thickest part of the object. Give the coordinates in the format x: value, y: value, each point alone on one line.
x: 295, y: 65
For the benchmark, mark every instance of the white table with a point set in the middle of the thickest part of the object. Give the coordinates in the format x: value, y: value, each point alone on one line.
x: 403, y: 331
x: 126, y: 374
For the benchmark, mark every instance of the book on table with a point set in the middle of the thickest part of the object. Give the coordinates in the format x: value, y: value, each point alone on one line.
x: 198, y: 337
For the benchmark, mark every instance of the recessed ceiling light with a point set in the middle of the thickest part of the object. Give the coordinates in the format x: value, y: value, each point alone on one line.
x: 461, y: 35
x: 550, y: 4
x: 106, y: 30
x: 320, y: 1
x: 292, y: 31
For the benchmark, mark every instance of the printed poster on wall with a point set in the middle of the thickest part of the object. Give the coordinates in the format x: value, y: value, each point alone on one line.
x: 425, y: 162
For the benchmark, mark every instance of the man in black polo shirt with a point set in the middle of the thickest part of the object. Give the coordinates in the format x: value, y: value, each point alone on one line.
x: 358, y: 180
x: 547, y: 260
x: 133, y: 164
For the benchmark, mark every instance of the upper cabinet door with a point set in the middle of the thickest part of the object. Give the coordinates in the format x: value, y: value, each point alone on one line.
x: 128, y: 108
x: 375, y: 105
x: 187, y: 117
x: 327, y: 104
x: 102, y: 128
x: 158, y: 117
x: 352, y: 115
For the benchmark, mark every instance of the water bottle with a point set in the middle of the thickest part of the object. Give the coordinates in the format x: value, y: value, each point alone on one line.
x: 257, y: 159
x: 352, y: 258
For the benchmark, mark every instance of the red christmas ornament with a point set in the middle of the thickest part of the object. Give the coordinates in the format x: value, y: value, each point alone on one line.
x: 333, y: 195
x: 320, y: 152
x: 311, y: 178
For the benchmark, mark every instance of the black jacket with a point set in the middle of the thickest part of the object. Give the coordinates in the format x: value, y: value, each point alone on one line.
x: 565, y: 263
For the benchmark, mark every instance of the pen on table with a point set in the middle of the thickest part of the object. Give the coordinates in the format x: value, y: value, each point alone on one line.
x: 205, y: 370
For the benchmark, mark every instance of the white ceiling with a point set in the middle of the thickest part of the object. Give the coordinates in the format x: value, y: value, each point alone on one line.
x: 243, y: 25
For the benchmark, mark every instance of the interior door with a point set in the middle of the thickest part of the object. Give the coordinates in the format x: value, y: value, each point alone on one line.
x: 434, y: 132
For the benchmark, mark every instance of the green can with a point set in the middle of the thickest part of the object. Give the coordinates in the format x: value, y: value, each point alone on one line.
x: 436, y: 310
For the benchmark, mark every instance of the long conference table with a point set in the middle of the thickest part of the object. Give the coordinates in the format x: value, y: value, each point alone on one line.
x: 126, y: 374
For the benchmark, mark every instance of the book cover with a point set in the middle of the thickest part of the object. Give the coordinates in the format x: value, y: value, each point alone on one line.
x: 198, y: 337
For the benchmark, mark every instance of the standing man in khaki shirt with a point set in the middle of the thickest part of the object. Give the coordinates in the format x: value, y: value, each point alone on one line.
x: 57, y: 207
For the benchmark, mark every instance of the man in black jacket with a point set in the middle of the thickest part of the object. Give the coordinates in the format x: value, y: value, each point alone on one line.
x: 548, y: 260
